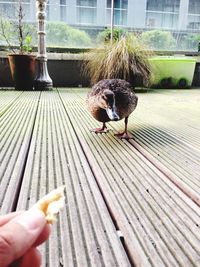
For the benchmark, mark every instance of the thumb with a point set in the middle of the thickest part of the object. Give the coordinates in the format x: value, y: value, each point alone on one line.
x: 19, y: 234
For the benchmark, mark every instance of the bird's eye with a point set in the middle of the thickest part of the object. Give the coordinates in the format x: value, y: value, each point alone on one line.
x: 104, y: 97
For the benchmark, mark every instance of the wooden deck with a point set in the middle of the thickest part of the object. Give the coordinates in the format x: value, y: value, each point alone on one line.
x: 145, y: 190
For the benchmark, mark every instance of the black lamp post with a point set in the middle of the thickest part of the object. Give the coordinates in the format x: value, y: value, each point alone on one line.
x: 42, y: 80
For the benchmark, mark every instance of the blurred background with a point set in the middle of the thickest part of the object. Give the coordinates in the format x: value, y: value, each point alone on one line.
x: 161, y: 24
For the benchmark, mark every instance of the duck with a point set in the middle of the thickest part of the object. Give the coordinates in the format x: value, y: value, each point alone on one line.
x: 111, y: 100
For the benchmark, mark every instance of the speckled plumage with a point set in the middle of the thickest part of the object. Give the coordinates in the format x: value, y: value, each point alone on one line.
x: 125, y: 99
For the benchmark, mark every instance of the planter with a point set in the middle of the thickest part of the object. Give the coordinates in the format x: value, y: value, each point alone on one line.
x: 22, y: 71
x: 172, y: 72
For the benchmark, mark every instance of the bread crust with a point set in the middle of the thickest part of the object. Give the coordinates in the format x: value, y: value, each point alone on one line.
x: 51, y: 204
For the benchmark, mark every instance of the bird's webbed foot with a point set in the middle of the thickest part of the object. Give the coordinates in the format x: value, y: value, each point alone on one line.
x: 124, y: 135
x: 100, y: 130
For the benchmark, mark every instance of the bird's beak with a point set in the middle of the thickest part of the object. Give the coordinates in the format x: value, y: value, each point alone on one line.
x: 113, y: 116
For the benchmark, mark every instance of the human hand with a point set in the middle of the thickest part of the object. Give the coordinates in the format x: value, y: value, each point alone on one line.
x: 20, y: 234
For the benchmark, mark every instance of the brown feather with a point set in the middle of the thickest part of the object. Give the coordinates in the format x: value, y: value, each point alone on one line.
x: 125, y: 98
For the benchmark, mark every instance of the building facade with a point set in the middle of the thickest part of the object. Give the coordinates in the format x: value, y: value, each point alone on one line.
x: 176, y: 15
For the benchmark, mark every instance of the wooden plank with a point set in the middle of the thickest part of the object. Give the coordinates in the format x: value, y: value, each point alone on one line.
x: 178, y: 159
x: 159, y: 222
x: 171, y: 149
x: 7, y: 98
x: 85, y: 234
x: 174, y: 111
x: 16, y: 126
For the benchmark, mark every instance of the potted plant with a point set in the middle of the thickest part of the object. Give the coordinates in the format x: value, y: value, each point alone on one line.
x: 125, y: 58
x: 21, y: 60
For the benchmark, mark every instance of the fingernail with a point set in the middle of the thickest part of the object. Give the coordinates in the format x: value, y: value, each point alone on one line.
x: 32, y: 219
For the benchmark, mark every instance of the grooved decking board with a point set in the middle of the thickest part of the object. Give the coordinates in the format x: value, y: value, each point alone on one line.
x: 7, y: 98
x: 159, y: 222
x: 16, y: 126
x: 84, y: 234
x: 151, y: 125
x: 169, y: 132
x: 175, y: 112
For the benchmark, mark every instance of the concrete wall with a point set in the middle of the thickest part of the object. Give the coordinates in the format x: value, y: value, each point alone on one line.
x: 64, y: 73
x: 67, y: 73
x: 183, y: 15
x: 137, y: 13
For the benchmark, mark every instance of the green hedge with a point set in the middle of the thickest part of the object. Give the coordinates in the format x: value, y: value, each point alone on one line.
x: 105, y: 36
x: 159, y: 40
x: 57, y: 34
x: 60, y: 34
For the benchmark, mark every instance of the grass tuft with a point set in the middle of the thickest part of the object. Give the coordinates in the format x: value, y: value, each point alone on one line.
x: 124, y: 59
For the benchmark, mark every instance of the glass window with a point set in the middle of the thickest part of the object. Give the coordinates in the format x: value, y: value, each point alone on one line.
x: 26, y: 11
x: 120, y: 12
x: 161, y: 20
x: 63, y: 10
x: 52, y: 11
x: 163, y: 5
x: 118, y: 4
x: 120, y: 17
x: 162, y: 14
x: 194, y: 15
x: 193, y: 22
x: 10, y: 10
x: 86, y: 11
x: 86, y: 16
x: 90, y: 3
x: 194, y: 7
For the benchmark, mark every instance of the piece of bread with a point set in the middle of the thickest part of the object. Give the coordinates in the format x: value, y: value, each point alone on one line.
x: 51, y: 204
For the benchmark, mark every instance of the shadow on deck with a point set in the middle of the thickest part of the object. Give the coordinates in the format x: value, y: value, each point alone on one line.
x: 130, y: 203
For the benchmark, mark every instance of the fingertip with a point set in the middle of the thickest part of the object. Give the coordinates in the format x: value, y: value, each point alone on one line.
x: 19, y: 235
x: 32, y: 256
x: 32, y: 219
x: 44, y: 235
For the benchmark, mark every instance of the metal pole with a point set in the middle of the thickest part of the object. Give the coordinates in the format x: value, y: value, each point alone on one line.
x: 112, y: 21
x: 42, y: 80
